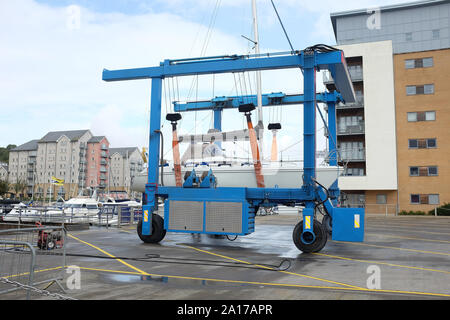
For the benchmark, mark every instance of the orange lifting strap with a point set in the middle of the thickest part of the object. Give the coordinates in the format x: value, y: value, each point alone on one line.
x: 254, y: 145
x: 274, y: 127
x: 173, y: 118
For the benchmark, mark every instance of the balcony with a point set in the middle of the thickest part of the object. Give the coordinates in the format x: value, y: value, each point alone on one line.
x: 83, y: 146
x: 356, y: 105
x: 103, y: 169
x: 352, y: 155
x: 356, y: 74
x: 104, y: 147
x: 102, y: 177
x: 103, y: 162
x: 104, y: 154
x: 351, y: 130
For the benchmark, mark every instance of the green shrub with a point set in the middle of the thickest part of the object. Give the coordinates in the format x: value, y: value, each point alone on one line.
x: 412, y: 213
x: 442, y: 211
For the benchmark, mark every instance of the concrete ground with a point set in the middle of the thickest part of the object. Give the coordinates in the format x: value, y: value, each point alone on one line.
x: 410, y: 254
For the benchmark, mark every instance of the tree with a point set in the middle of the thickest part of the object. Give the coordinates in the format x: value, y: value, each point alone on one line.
x: 4, y: 187
x: 19, y: 187
x: 4, y: 153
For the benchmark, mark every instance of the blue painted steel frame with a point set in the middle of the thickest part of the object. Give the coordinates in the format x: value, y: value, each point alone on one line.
x: 310, y: 62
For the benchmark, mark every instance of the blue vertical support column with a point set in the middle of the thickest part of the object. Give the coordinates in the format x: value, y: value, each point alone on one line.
x: 332, y: 133
x: 153, y: 162
x: 332, y: 143
x: 309, y: 148
x: 218, y: 123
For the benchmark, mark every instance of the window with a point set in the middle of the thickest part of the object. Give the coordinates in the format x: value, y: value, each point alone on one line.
x: 436, y: 34
x: 419, y: 63
x: 428, y: 89
x: 423, y: 171
x: 431, y: 143
x: 421, y: 116
x: 408, y: 36
x: 419, y: 90
x: 428, y: 62
x: 415, y: 199
x: 381, y: 199
x: 433, y: 199
x: 414, y: 171
x: 430, y: 116
x: 410, y: 90
x: 422, y: 143
x: 432, y: 171
x: 425, y: 199
x: 413, y: 144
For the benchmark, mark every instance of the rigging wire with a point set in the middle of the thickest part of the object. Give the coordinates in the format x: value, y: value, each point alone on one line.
x: 206, y: 42
x: 282, y: 25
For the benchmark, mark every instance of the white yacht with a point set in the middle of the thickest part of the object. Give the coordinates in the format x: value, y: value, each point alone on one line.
x: 23, y: 213
x: 76, y: 210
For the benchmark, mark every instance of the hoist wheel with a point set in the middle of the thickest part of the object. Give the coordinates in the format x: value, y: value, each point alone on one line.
x: 317, y: 244
x: 327, y: 223
x: 158, y: 232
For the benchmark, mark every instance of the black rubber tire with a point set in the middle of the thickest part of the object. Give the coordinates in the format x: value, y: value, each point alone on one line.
x: 318, y: 244
x: 328, y: 224
x: 51, y: 245
x: 158, y: 232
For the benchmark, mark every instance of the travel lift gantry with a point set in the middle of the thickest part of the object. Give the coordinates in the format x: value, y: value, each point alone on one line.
x: 204, y: 208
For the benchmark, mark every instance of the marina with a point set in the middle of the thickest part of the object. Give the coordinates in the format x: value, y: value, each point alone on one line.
x: 242, y: 173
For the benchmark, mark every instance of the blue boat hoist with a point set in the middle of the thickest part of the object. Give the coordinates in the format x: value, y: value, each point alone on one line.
x: 199, y: 206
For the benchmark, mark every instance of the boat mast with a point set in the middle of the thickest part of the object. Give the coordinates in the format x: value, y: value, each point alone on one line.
x: 258, y: 78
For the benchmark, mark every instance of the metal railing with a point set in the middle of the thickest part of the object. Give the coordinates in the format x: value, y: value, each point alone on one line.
x: 358, y: 104
x: 356, y: 74
x: 105, y: 216
x: 352, y: 129
x: 32, y: 260
x: 357, y: 154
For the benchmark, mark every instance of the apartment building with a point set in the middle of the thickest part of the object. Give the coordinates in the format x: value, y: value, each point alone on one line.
x: 366, y: 129
x: 22, y: 164
x: 125, y: 163
x: 97, y: 162
x: 62, y: 154
x: 85, y: 162
x: 409, y: 127
x: 3, y: 171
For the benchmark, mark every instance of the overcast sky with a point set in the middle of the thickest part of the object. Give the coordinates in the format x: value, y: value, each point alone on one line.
x: 52, y: 54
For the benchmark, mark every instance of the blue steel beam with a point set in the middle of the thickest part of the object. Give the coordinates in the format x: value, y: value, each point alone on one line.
x: 271, y: 99
x: 333, y: 61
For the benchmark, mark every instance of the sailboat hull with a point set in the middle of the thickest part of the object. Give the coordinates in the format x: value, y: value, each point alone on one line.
x: 244, y: 177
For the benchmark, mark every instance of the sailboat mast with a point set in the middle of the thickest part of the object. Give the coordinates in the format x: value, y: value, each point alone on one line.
x: 258, y: 75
